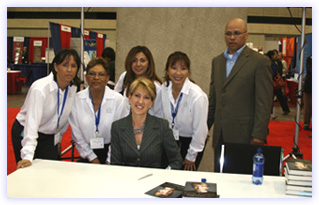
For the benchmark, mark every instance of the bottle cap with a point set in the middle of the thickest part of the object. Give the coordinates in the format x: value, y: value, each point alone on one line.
x: 203, y: 180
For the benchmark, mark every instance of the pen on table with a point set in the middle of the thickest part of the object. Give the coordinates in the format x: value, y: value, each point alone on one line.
x: 148, y: 175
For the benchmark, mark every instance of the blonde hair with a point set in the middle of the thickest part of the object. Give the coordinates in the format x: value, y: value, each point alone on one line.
x: 146, y: 84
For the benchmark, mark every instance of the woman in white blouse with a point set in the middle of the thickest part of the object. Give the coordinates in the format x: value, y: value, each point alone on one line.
x: 139, y: 62
x: 43, y: 118
x: 185, y: 106
x: 95, y: 108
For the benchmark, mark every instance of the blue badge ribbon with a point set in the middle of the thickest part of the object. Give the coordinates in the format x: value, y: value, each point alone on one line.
x: 63, y: 104
x: 174, y: 111
x: 98, y: 116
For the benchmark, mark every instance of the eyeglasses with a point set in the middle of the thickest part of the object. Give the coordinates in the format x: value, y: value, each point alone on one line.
x: 236, y: 33
x: 93, y: 74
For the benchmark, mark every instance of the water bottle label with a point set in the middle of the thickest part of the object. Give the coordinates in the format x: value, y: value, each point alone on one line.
x: 258, y: 170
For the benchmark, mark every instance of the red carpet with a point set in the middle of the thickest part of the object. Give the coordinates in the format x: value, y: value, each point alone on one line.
x: 281, y: 133
x: 11, y: 164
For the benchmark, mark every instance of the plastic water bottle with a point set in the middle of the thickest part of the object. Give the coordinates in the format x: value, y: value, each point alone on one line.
x: 258, y: 167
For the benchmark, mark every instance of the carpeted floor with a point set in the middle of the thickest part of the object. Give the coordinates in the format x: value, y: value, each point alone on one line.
x: 281, y: 133
x: 11, y: 164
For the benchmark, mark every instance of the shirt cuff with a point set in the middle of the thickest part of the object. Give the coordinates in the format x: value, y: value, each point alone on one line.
x: 91, y: 156
x: 191, y: 157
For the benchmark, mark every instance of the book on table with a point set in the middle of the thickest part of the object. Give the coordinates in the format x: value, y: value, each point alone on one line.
x: 299, y: 167
x: 298, y: 188
x: 167, y: 190
x: 200, y: 190
x: 298, y: 182
x: 296, y: 177
x: 299, y: 193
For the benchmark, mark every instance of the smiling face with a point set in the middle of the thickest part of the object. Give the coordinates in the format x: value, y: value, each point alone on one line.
x: 66, y: 71
x: 178, y: 73
x: 97, y: 77
x: 140, y: 64
x: 140, y: 101
x: 164, y: 192
x: 235, y: 35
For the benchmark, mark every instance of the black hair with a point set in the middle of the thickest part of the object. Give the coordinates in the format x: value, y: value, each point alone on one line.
x: 60, y: 57
x: 109, y: 52
x: 98, y: 61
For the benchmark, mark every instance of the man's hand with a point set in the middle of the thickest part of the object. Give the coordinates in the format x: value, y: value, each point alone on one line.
x: 257, y: 141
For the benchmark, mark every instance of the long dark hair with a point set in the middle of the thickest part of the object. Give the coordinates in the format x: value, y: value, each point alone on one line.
x: 150, y: 72
x: 60, y: 57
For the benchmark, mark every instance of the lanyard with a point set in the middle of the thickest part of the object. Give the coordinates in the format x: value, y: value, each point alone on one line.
x: 174, y: 112
x: 58, y: 107
x: 98, y: 116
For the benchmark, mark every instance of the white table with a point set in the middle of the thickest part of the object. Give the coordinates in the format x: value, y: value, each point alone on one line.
x: 51, y: 179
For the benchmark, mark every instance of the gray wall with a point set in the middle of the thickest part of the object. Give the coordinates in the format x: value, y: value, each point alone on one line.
x: 198, y: 32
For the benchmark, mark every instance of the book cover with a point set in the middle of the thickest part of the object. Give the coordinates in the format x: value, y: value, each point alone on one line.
x: 200, y: 189
x: 299, y: 167
x: 297, y: 177
x: 167, y: 190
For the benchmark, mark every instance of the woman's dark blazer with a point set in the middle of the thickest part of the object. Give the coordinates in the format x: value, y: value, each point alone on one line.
x: 157, y: 144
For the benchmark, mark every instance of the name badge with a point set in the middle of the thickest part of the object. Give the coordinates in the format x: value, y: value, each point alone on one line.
x: 176, y: 134
x: 97, y: 143
x: 57, y: 138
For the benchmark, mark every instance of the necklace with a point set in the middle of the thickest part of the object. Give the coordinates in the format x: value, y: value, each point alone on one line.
x: 139, y: 130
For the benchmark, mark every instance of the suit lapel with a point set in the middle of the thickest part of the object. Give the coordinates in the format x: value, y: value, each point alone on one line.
x: 223, y: 71
x: 128, y: 134
x: 241, y: 60
x: 148, y: 135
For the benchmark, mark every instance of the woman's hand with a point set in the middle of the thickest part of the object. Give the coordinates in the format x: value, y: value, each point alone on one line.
x: 189, y: 166
x: 23, y: 163
x: 95, y: 161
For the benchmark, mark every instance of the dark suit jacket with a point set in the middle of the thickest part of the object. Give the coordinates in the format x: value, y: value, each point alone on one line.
x: 157, y: 142
x: 240, y: 105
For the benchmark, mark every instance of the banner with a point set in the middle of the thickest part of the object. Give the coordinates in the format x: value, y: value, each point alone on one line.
x: 65, y: 35
x: 37, y: 42
x: 89, y: 50
x: 307, y: 47
x: 18, y: 44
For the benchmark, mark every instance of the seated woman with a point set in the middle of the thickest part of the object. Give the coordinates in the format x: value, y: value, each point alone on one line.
x: 93, y: 113
x: 141, y: 139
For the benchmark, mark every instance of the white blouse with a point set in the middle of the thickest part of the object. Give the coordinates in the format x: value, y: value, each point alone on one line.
x: 155, y: 110
x: 191, y: 118
x: 82, y: 119
x: 39, y: 113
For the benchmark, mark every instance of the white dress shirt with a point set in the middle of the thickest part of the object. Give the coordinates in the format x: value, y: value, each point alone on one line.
x: 39, y: 113
x: 82, y: 119
x: 191, y: 118
x: 156, y: 108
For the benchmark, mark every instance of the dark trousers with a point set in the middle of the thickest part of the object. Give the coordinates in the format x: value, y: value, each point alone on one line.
x: 100, y: 153
x: 307, y: 102
x: 45, y: 148
x: 183, y: 144
x: 282, y: 100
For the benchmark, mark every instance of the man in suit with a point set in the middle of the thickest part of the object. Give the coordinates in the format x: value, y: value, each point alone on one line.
x: 241, y: 92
